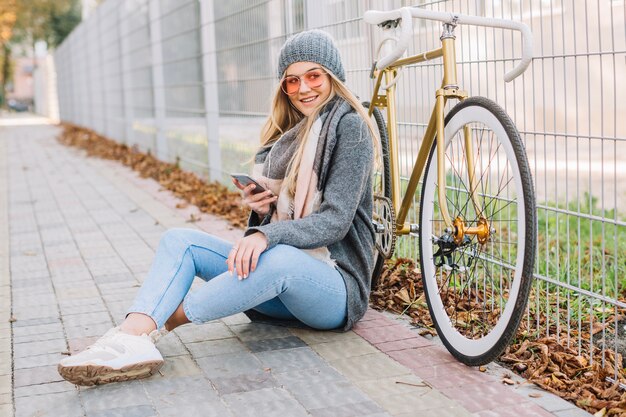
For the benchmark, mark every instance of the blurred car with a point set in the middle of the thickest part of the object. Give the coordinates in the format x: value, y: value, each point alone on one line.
x: 17, y: 105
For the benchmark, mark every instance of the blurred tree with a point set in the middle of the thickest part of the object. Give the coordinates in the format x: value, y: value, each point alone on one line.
x: 8, y: 16
x: 26, y: 22
x: 46, y: 20
x: 63, y: 22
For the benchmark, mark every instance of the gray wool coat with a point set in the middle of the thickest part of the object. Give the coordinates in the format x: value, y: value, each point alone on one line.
x: 343, y: 222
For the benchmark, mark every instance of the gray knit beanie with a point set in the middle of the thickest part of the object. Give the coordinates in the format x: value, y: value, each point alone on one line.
x: 313, y: 46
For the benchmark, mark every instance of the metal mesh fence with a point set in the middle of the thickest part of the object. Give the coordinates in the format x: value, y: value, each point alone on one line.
x: 193, y: 81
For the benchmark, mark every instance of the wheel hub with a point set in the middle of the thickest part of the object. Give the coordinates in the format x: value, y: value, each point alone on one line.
x: 481, y: 230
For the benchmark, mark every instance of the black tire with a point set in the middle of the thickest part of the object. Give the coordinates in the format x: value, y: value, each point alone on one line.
x: 385, y: 182
x: 460, y: 323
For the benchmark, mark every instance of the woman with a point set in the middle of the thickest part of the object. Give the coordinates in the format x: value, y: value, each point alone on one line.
x: 307, y: 253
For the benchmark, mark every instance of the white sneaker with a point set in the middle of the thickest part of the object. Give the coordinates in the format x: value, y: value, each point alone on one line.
x: 116, y: 356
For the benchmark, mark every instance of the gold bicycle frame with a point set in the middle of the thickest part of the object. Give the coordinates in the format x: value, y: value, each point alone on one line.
x: 434, y: 131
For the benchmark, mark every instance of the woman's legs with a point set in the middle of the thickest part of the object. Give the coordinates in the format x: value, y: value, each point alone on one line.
x: 177, y: 318
x: 312, y: 291
x: 159, y: 301
x: 287, y: 283
x: 137, y: 324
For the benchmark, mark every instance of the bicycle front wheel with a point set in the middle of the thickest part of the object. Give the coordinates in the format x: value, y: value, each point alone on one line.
x: 477, y: 284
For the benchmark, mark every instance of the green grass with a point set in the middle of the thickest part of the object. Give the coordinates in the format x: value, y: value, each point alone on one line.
x: 584, y: 252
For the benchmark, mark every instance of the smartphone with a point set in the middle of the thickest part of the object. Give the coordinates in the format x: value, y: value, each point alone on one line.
x: 246, y: 180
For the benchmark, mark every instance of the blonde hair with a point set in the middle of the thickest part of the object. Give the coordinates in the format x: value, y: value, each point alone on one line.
x: 284, y: 116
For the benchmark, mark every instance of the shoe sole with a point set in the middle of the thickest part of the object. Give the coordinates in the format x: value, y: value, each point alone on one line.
x: 89, y: 375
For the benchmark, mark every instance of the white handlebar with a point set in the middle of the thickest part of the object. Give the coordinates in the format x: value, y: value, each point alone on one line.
x: 407, y: 13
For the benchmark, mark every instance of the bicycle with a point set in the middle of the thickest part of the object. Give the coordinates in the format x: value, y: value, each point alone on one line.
x: 477, y: 222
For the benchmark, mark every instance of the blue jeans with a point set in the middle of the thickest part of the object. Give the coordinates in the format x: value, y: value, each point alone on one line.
x: 287, y: 283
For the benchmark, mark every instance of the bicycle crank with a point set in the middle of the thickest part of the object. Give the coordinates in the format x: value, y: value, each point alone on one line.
x: 384, y: 221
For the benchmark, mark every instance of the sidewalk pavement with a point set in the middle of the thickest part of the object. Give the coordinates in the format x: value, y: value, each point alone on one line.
x: 78, y: 236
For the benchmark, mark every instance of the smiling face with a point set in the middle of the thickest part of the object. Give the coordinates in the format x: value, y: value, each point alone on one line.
x: 307, y: 98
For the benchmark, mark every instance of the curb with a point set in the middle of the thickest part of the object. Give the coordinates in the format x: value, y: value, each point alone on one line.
x: 6, y: 333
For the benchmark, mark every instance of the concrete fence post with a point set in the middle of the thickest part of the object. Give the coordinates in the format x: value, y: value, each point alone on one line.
x: 211, y: 93
x: 127, y: 87
x: 158, y: 83
x: 102, y: 81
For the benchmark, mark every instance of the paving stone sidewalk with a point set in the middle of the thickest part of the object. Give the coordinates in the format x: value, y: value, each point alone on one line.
x: 78, y: 235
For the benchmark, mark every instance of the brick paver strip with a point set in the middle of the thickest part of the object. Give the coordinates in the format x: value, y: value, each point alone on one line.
x: 82, y: 235
x: 413, y: 342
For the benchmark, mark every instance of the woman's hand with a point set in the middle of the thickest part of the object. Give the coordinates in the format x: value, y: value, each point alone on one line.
x: 260, y: 203
x: 244, y: 255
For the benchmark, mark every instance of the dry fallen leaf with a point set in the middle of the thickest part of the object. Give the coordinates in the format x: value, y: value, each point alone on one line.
x: 482, y: 369
x: 520, y: 367
x: 600, y: 413
x: 598, y: 327
x: 508, y: 381
x: 535, y: 395
x: 430, y: 332
x: 403, y: 296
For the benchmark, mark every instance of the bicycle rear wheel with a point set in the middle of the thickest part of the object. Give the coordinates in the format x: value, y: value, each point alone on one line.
x: 381, y: 183
x: 477, y: 290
